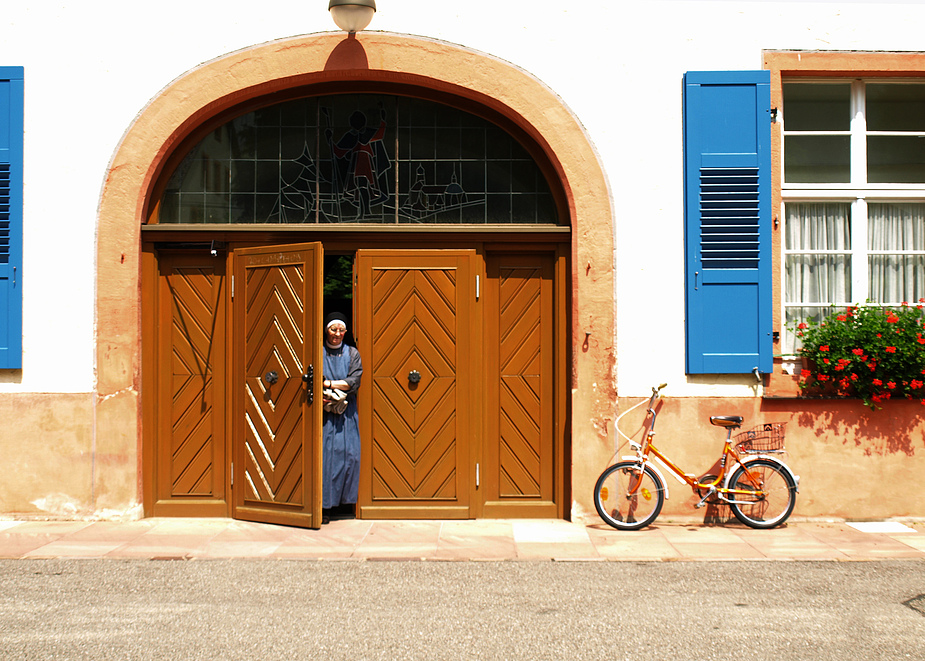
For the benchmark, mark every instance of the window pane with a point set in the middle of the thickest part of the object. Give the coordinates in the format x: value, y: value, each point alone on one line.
x: 358, y: 158
x: 817, y: 107
x: 817, y: 279
x: 896, y: 107
x: 898, y: 228
x: 896, y: 278
x: 796, y: 315
x: 895, y: 159
x: 817, y: 226
x: 817, y: 159
x: 817, y: 236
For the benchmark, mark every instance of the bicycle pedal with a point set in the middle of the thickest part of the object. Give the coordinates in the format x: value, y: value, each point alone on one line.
x: 703, y: 501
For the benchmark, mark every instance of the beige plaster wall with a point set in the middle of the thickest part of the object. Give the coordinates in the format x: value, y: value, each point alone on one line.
x: 853, y: 463
x: 46, y: 442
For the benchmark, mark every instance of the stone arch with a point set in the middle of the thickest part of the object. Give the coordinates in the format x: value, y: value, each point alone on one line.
x: 335, y: 59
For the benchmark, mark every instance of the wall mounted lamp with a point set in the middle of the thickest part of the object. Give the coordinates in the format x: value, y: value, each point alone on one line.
x: 352, y: 15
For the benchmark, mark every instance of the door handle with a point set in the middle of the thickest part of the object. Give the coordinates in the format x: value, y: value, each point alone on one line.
x: 271, y: 377
x: 414, y: 376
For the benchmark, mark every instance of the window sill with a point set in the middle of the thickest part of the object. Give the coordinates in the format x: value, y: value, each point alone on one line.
x: 781, y: 385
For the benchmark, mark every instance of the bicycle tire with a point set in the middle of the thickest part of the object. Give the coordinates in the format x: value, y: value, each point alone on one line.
x: 628, y: 512
x: 774, y: 505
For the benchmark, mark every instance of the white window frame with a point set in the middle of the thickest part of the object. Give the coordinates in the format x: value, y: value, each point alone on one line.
x: 858, y: 192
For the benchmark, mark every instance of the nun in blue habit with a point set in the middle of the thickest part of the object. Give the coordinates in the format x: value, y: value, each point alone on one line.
x: 341, y: 431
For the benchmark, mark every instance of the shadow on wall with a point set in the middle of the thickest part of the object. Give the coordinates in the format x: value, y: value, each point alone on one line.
x: 348, y: 54
x: 897, y: 428
x: 10, y: 376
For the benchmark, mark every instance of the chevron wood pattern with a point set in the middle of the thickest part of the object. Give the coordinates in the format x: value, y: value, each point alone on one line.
x: 521, y: 379
x: 192, y: 293
x: 414, y: 425
x: 274, y: 342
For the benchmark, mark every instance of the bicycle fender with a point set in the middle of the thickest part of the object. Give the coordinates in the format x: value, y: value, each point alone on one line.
x: 776, y: 460
x: 654, y: 470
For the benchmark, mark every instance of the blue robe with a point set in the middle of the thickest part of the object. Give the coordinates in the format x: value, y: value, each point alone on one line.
x: 341, y: 432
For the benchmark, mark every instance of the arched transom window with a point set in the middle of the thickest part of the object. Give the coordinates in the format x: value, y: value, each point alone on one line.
x: 358, y: 158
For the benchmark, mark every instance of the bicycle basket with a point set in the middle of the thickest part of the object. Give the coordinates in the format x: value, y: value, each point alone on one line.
x: 768, y: 437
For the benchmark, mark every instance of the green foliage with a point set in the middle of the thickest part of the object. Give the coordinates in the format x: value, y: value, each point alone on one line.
x: 870, y: 352
x: 338, y: 277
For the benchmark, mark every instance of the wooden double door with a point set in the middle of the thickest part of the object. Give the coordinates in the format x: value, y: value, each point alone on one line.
x: 461, y: 408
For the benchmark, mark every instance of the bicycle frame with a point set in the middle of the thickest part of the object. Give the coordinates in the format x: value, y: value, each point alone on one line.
x: 644, y: 449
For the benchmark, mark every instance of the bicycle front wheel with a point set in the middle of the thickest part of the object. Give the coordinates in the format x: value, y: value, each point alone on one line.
x: 768, y: 499
x: 628, y: 498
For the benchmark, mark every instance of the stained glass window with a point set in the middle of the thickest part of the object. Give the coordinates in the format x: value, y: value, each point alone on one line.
x: 358, y: 158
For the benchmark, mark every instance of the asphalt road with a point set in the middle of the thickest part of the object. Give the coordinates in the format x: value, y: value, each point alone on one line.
x: 254, y: 609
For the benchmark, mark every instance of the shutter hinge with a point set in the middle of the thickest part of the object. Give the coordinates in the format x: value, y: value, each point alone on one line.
x: 232, y: 288
x: 232, y: 473
x: 476, y: 476
x: 477, y: 292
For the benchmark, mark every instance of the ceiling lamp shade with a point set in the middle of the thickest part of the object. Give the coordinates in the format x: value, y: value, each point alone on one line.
x: 352, y: 15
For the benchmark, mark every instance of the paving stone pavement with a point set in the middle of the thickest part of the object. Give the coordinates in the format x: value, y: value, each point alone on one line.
x: 485, y: 539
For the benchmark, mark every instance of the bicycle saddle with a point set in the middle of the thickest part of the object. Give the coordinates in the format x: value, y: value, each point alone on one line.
x: 726, y: 420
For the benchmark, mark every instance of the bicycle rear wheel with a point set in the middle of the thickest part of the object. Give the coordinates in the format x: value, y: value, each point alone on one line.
x: 772, y: 498
x: 627, y: 498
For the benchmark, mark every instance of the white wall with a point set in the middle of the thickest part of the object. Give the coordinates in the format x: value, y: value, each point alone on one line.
x: 91, y: 66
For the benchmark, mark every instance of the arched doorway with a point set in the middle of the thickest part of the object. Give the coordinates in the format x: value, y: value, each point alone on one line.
x: 332, y: 64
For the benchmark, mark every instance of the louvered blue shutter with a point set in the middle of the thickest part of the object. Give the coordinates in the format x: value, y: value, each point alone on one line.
x: 11, y: 159
x: 727, y: 168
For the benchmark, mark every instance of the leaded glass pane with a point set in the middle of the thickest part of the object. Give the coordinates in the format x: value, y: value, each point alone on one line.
x: 360, y: 158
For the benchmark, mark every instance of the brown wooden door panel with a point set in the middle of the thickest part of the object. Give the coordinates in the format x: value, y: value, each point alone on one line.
x: 520, y: 451
x: 192, y: 457
x: 277, y: 472
x: 190, y: 451
x: 519, y: 465
x: 415, y: 316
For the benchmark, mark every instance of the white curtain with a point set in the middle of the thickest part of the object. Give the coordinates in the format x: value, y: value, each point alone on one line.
x: 896, y: 227
x: 817, y: 268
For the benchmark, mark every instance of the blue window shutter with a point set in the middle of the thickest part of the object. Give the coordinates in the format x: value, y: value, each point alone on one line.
x: 727, y: 208
x: 11, y: 166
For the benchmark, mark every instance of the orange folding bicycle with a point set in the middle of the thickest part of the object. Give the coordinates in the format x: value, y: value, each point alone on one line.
x: 759, y: 488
